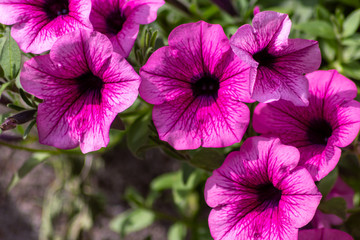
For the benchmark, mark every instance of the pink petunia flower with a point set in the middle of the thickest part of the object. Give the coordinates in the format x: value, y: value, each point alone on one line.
x: 331, y: 121
x: 324, y: 234
x: 278, y: 63
x: 39, y: 23
x: 84, y: 85
x: 260, y: 193
x: 197, y: 84
x: 120, y: 20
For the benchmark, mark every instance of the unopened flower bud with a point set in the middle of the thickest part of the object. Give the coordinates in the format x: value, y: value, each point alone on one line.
x: 20, y: 118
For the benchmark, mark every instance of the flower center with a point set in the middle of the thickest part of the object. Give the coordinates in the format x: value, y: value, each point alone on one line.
x: 88, y: 82
x: 205, y: 85
x: 319, y: 131
x: 55, y: 8
x: 114, y: 22
x: 267, y: 192
x: 264, y: 58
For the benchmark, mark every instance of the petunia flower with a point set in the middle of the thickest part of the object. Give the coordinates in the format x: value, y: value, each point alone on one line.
x: 278, y: 63
x: 120, y: 20
x: 84, y: 85
x: 260, y: 193
x: 324, y: 234
x: 197, y: 84
x: 39, y: 23
x: 331, y: 121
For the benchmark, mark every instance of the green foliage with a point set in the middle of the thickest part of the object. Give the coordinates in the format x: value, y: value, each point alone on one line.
x: 336, y: 205
x: 177, y: 231
x: 132, y: 221
x: 328, y: 182
x: 30, y: 164
x: 10, y: 56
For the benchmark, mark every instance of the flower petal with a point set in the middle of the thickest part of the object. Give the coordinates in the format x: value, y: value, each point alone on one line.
x: 142, y: 11
x: 300, y: 56
x: 89, y: 50
x: 38, y: 34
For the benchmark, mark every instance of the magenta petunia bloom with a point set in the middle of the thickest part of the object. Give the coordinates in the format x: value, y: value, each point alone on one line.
x: 84, y: 85
x: 197, y: 84
x: 324, y: 234
x: 331, y: 121
x: 120, y: 20
x: 278, y: 63
x: 260, y: 193
x: 39, y: 23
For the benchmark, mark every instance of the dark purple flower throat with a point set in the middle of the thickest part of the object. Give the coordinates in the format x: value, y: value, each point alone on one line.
x: 264, y: 58
x: 88, y: 82
x: 268, y: 193
x: 55, y: 8
x: 114, y: 22
x: 205, y: 84
x: 319, y: 131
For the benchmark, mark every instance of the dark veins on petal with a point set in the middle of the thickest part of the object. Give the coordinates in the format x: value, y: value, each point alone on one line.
x: 55, y: 8
x: 268, y: 193
x: 205, y: 84
x: 90, y: 84
x: 319, y: 131
x: 264, y: 58
x: 115, y: 21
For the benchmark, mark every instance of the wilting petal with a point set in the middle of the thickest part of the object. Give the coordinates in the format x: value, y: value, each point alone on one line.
x: 324, y: 234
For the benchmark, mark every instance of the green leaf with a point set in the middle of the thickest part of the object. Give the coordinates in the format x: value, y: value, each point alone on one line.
x: 351, y: 70
x: 30, y: 164
x: 132, y: 221
x: 352, y: 224
x: 4, y: 86
x: 177, y: 232
x: 10, y: 56
x: 207, y: 159
x: 351, y: 23
x: 25, y: 98
x: 138, y: 134
x: 15, y: 107
x: 186, y: 171
x: 165, y: 181
x: 336, y: 205
x: 328, y: 49
x: 133, y: 197
x: 354, y: 40
x: 28, y: 129
x: 328, y: 182
x: 317, y: 28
